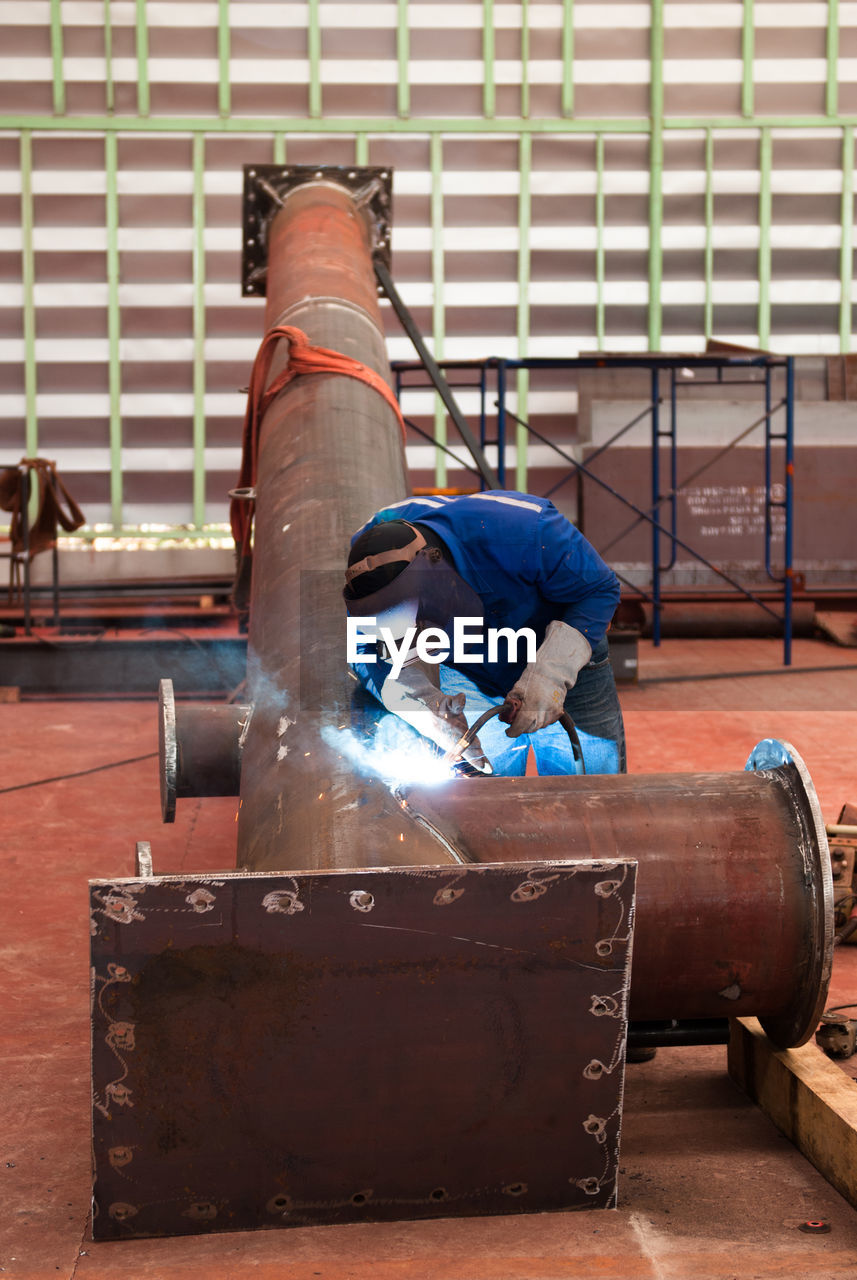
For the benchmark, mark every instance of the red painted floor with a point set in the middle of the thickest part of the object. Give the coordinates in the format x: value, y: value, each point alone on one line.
x: 709, y: 1189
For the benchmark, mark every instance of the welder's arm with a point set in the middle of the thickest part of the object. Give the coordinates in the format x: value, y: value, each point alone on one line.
x: 539, y: 694
x: 416, y: 696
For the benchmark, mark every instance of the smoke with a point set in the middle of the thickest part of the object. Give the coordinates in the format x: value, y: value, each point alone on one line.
x: 269, y: 693
x: 395, y: 753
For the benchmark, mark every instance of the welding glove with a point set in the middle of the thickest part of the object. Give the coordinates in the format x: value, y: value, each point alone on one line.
x: 540, y: 692
x: 415, y: 695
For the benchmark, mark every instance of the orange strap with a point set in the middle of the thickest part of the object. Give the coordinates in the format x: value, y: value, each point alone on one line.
x: 303, y: 358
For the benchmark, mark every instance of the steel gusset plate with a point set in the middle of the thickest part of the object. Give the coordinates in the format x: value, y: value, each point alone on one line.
x: 344, y: 1046
x: 266, y: 187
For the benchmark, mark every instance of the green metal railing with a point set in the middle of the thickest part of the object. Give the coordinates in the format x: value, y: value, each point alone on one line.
x: 224, y: 49
x: 567, y: 91
x: 403, y: 53
x: 111, y: 167
x: 393, y: 126
x: 57, y: 56
x: 314, y: 53
x: 488, y: 45
x: 846, y: 251
x: 438, y: 319
x: 525, y: 59
x: 198, y: 261
x: 765, y: 164
x: 28, y: 300
x: 142, y: 29
x: 657, y: 127
x: 708, y: 252
x: 832, y: 53
x: 748, y: 44
x: 525, y: 159
x: 656, y: 173
x: 109, y: 90
x: 599, y: 242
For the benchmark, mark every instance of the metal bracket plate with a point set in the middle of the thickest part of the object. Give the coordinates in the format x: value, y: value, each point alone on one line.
x: 266, y: 186
x: 344, y: 1046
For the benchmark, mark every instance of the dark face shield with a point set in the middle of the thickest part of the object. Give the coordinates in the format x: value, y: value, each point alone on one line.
x: 428, y: 593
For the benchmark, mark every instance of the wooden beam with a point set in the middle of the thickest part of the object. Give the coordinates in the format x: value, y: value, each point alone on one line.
x: 810, y: 1099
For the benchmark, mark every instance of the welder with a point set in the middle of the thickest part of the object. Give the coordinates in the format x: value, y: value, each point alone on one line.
x: 512, y: 568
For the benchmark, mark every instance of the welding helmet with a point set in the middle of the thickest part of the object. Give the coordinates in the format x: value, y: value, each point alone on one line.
x: 398, y: 575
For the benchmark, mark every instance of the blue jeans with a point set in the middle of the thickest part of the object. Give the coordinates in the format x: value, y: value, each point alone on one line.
x: 593, y: 705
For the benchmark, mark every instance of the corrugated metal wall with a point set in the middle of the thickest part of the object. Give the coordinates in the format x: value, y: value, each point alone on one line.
x: 568, y: 177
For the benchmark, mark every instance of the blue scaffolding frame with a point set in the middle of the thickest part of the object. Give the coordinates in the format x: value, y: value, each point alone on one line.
x: 492, y: 380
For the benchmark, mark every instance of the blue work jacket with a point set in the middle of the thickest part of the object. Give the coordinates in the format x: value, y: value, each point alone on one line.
x: 527, y: 563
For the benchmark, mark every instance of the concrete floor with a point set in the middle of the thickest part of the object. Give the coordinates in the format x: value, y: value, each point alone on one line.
x: 709, y: 1190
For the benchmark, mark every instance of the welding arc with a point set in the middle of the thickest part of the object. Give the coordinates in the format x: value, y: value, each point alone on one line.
x: 454, y: 755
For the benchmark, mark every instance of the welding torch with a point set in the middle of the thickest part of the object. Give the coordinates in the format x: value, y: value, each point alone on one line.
x: 507, y: 711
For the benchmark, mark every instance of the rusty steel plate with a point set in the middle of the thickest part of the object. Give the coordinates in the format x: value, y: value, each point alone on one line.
x: 352, y: 1045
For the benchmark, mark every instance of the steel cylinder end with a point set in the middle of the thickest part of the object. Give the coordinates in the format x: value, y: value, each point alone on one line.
x: 267, y: 189
x: 167, y: 750
x: 797, y: 1023
x: 199, y: 748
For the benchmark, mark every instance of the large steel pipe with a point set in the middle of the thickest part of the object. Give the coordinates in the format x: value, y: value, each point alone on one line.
x: 734, y: 888
x: 330, y: 453
x: 734, y: 891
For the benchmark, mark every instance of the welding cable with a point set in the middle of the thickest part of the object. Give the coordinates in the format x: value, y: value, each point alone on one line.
x: 454, y: 755
x: 847, y: 931
x: 81, y: 773
x: 577, y: 750
x: 840, y: 907
x: 303, y: 358
x: 849, y: 926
